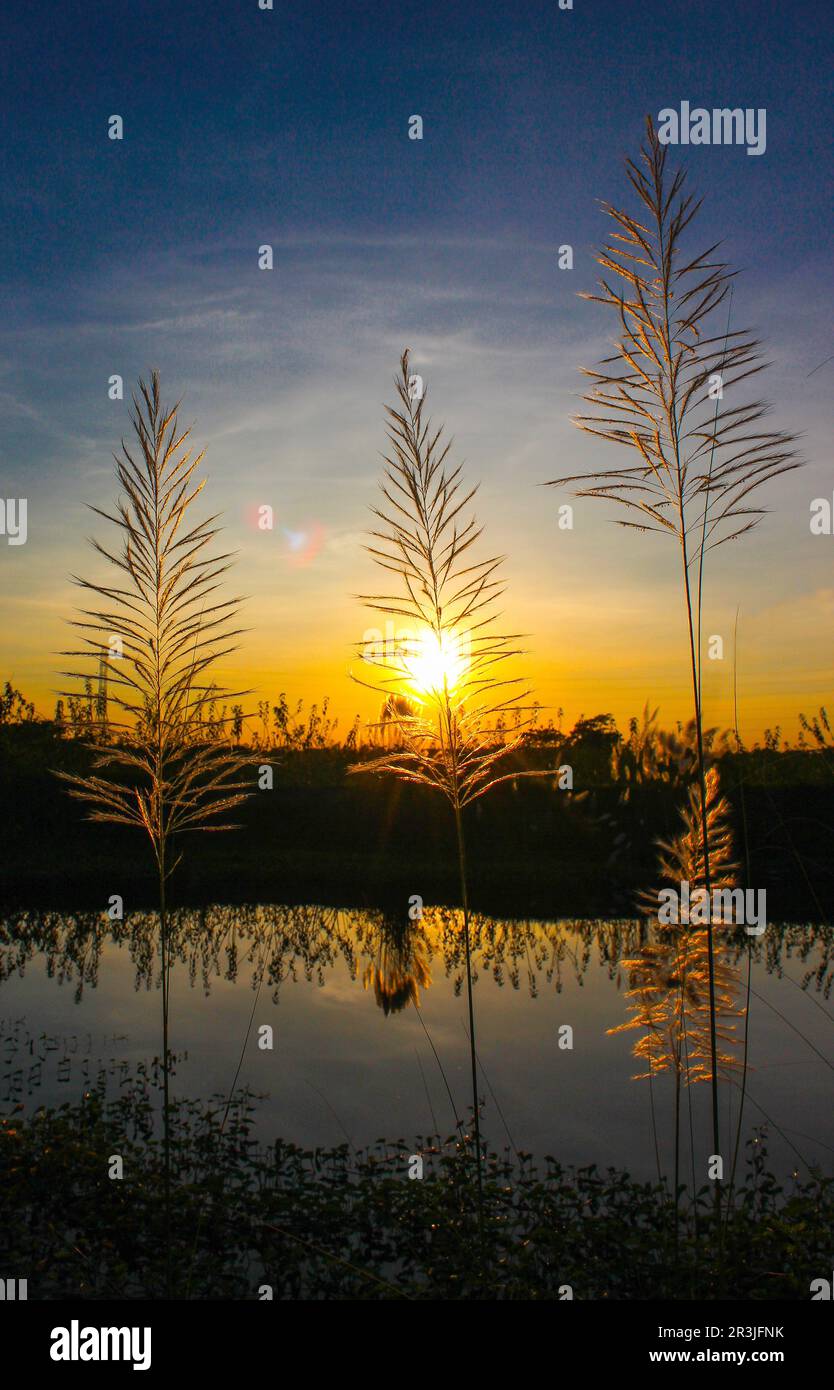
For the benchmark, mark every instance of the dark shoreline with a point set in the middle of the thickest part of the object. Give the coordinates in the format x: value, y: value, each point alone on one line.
x: 533, y: 852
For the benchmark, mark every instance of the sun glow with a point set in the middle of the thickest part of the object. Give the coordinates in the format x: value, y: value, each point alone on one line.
x: 436, y: 664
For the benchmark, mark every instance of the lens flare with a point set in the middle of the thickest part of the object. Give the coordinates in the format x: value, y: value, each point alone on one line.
x: 304, y: 545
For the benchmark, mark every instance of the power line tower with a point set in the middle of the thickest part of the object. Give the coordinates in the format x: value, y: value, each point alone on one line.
x: 101, y: 694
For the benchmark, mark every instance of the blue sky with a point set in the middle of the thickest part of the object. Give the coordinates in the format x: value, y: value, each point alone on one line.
x: 290, y: 127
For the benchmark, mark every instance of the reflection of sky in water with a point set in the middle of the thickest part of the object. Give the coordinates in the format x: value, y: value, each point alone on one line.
x: 343, y: 1067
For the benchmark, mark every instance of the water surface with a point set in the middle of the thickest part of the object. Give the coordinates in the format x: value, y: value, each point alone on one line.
x: 359, y: 1002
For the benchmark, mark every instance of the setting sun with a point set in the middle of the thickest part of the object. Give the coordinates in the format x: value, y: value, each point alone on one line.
x: 435, y: 664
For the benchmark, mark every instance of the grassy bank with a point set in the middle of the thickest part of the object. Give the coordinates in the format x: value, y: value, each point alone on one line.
x: 350, y: 1223
x: 321, y: 836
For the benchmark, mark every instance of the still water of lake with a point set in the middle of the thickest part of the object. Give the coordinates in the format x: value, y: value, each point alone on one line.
x: 360, y: 1001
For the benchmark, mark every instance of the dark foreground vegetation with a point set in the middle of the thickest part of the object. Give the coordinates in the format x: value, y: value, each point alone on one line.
x: 350, y: 1224
x: 319, y: 835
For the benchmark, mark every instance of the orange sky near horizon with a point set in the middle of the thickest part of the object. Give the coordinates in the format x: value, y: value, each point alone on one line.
x: 602, y: 607
x: 584, y: 655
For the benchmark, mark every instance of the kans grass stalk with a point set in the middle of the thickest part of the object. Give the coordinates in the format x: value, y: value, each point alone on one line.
x: 670, y: 985
x: 670, y: 394
x: 160, y: 627
x: 444, y: 675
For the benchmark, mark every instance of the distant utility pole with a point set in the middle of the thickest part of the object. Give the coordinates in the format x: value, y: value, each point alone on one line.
x: 101, y: 696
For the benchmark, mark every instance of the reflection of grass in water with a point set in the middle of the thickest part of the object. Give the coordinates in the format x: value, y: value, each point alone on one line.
x: 307, y: 941
x: 348, y: 1223
x: 400, y: 966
